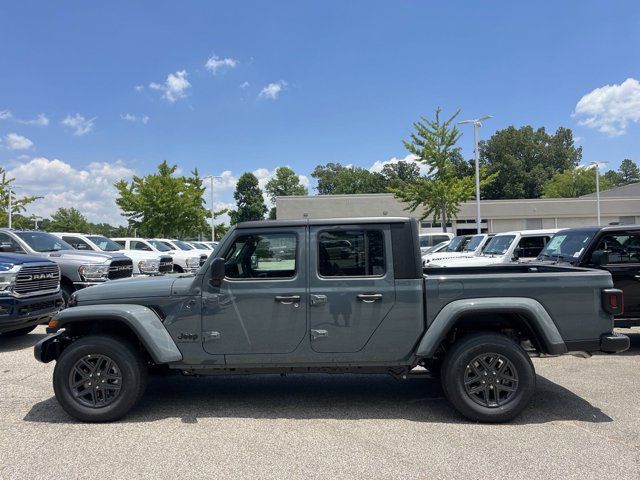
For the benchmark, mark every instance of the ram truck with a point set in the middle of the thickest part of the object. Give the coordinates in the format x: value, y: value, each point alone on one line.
x: 29, y: 293
x: 368, y: 308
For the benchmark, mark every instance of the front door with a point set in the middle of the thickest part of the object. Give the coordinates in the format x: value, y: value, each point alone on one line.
x: 260, y: 306
x: 351, y: 285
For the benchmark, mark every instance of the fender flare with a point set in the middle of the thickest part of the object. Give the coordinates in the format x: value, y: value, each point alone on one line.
x: 537, y: 317
x: 143, y: 321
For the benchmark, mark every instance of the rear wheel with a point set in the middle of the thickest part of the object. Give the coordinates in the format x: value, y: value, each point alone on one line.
x: 488, y: 377
x: 99, y: 378
x: 20, y: 332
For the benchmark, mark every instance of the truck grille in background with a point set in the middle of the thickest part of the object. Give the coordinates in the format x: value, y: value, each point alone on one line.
x: 203, y: 258
x: 166, y: 265
x: 32, y: 280
x: 120, y: 269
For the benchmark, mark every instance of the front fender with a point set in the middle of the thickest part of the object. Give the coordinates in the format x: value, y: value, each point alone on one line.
x: 536, y: 315
x: 141, y: 320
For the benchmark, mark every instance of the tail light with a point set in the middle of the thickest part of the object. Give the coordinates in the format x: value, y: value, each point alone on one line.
x: 613, y: 301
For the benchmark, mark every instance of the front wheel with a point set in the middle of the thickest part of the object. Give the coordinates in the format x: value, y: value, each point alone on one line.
x: 488, y: 377
x: 99, y: 378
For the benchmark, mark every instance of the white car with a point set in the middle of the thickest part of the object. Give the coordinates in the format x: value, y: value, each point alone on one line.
x: 182, y: 261
x: 428, y: 240
x: 201, y: 246
x: 507, y: 247
x: 144, y: 262
x: 179, y: 245
x: 470, y: 248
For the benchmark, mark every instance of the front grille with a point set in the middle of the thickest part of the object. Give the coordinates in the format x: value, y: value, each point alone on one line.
x: 120, y: 269
x: 38, y: 307
x: 166, y: 265
x: 32, y: 280
x: 203, y: 258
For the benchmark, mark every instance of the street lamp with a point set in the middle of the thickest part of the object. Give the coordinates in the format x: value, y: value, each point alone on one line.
x: 11, y: 187
x: 213, y: 226
x: 477, y: 123
x: 596, y: 166
x: 35, y: 219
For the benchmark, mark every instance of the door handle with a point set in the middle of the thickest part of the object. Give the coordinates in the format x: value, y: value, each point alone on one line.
x: 318, y: 299
x: 287, y: 299
x: 318, y: 334
x: 369, y: 297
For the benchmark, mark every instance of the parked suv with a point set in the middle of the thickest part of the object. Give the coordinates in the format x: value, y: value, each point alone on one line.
x: 182, y: 261
x: 78, y: 269
x: 615, y: 249
x: 29, y: 292
x: 144, y: 262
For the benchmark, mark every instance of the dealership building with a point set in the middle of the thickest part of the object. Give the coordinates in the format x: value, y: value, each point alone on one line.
x: 617, y: 205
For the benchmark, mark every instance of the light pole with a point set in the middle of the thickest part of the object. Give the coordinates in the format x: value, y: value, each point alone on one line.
x: 477, y: 123
x: 596, y: 166
x: 213, y: 223
x: 35, y: 219
x: 11, y: 187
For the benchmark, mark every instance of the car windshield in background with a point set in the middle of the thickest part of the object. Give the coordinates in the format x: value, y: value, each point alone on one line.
x: 105, y: 244
x: 201, y: 246
x: 474, y: 243
x: 456, y: 244
x: 566, y: 246
x: 161, y: 246
x: 43, y: 242
x: 183, y: 245
x: 499, y: 245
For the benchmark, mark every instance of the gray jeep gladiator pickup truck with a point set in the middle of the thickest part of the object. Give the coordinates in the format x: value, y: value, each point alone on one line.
x: 367, y: 308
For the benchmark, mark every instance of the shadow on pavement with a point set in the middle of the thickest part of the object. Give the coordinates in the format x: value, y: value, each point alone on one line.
x: 349, y: 397
x: 12, y: 344
x: 634, y: 336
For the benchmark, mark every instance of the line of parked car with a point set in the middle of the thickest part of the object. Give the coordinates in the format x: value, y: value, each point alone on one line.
x: 39, y: 271
x: 614, y: 248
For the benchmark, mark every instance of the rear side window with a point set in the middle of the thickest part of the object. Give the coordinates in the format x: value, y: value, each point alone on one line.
x: 622, y: 248
x: 531, y: 246
x: 262, y: 256
x: 356, y: 253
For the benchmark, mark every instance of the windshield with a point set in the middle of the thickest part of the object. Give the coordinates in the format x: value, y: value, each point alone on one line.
x: 566, y: 245
x: 43, y: 242
x: 457, y: 244
x: 105, y: 244
x: 499, y: 245
x: 160, y: 246
x: 474, y: 243
x: 183, y: 245
x: 201, y: 246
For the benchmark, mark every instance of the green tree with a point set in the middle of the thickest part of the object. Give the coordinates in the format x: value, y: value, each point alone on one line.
x: 337, y: 179
x: 18, y: 204
x: 163, y: 203
x: 68, y: 220
x: 285, y: 183
x: 523, y: 160
x: 574, y: 183
x: 629, y: 172
x: 442, y: 191
x: 399, y: 174
x: 249, y: 200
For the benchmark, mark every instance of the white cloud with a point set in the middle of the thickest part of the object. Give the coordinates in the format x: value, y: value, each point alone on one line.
x: 244, y: 84
x: 379, y: 165
x: 215, y: 64
x: 129, y: 117
x: 272, y: 90
x: 90, y: 190
x: 14, y: 141
x: 139, y: 88
x: 609, y: 109
x: 175, y: 86
x: 5, y: 115
x: 79, y: 124
x: 41, y: 119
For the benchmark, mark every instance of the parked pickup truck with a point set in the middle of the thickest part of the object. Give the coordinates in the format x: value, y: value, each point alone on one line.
x: 371, y: 311
x: 29, y: 293
x: 615, y: 249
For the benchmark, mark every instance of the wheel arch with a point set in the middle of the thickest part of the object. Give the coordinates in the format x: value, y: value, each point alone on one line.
x: 493, y: 314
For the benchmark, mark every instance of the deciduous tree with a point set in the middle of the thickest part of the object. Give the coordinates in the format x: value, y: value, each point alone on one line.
x: 249, y: 200
x: 285, y: 183
x: 574, y: 183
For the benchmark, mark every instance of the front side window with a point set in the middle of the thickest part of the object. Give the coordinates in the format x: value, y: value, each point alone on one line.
x: 622, y: 248
x: 262, y: 256
x: 12, y: 245
x: 355, y: 253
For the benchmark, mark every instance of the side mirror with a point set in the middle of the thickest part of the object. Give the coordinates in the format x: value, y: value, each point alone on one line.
x: 600, y: 258
x: 217, y: 271
x: 7, y: 247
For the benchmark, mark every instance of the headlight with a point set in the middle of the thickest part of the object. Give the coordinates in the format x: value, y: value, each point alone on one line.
x: 193, y: 262
x: 8, y: 273
x: 149, y: 266
x: 93, y: 271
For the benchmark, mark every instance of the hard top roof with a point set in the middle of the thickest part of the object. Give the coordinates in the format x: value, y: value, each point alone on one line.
x: 322, y: 221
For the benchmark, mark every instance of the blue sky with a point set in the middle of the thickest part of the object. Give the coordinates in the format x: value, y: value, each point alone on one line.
x: 119, y: 86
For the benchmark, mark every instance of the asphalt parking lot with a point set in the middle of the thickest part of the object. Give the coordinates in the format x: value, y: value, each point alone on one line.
x: 585, y: 423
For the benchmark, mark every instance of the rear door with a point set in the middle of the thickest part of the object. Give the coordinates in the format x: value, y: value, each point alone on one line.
x: 351, y: 285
